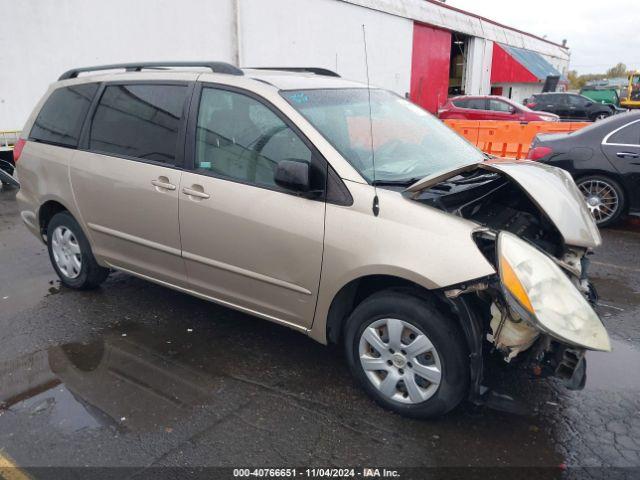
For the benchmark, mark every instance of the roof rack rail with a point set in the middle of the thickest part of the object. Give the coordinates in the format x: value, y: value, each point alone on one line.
x: 317, y: 70
x: 216, y: 67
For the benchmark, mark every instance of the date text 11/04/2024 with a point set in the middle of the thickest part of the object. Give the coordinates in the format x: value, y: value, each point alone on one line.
x: 315, y: 472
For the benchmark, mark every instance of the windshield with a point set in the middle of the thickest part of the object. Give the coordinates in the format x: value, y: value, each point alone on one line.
x: 408, y: 143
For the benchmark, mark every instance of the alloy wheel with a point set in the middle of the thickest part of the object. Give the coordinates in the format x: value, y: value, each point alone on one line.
x: 400, y: 361
x: 602, y: 199
x: 66, y: 252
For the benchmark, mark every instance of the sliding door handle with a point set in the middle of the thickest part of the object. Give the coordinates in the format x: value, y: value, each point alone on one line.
x: 163, y: 183
x: 195, y: 193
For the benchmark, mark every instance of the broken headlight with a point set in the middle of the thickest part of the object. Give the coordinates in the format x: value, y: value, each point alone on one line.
x: 539, y: 291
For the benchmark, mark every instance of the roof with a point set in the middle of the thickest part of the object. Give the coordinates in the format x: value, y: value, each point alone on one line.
x: 442, y: 4
x: 532, y: 61
x: 442, y: 15
x: 517, y: 65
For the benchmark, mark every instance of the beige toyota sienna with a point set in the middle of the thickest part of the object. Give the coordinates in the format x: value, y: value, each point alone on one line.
x: 341, y: 211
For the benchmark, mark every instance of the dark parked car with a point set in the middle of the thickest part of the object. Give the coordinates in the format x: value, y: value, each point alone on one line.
x: 570, y: 106
x: 491, y: 107
x: 604, y: 159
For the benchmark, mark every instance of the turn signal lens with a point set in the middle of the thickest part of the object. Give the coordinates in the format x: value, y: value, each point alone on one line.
x: 513, y: 285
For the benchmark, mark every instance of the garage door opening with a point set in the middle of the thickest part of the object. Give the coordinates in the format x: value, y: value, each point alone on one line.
x: 458, y: 64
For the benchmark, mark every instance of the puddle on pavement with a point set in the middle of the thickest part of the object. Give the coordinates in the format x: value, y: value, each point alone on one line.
x: 140, y: 380
x: 116, y: 380
x: 617, y: 370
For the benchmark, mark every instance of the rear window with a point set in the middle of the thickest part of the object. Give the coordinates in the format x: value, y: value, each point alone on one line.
x: 141, y: 121
x: 60, y: 119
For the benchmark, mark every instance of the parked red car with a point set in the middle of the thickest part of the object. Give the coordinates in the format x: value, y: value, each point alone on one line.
x: 490, y: 107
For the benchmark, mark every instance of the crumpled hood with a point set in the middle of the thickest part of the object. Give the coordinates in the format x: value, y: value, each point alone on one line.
x: 550, y: 188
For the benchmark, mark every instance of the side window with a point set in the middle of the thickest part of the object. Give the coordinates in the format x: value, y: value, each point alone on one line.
x: 629, y: 135
x: 477, y: 104
x: 498, y: 106
x: 60, y: 119
x: 141, y: 121
x: 240, y: 138
x: 576, y: 101
x: 461, y: 103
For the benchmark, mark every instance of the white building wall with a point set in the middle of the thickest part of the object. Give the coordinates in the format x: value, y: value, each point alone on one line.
x: 327, y: 33
x: 520, y: 91
x: 41, y: 39
x: 45, y: 38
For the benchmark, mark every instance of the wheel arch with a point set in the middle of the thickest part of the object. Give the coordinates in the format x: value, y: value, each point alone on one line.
x: 46, y: 212
x: 350, y: 295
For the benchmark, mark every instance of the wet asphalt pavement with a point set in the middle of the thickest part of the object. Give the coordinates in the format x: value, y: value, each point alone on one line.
x: 137, y: 375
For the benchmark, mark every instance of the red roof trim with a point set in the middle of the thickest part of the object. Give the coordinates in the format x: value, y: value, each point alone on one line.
x: 485, y: 19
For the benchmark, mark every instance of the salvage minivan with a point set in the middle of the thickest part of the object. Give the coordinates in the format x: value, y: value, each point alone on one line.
x: 339, y: 210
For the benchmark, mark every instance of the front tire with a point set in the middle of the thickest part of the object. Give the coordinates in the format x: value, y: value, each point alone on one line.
x: 605, y: 198
x: 601, y: 116
x: 407, y: 355
x: 71, y: 255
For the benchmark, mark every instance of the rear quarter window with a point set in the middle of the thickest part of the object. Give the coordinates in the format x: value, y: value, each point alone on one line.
x: 62, y: 115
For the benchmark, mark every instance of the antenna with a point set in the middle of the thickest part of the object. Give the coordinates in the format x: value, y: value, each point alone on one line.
x: 376, y: 205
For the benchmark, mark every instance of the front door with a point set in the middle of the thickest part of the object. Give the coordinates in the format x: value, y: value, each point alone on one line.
x: 125, y: 178
x: 247, y: 242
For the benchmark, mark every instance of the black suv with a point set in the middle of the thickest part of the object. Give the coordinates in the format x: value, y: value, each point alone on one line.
x: 570, y: 106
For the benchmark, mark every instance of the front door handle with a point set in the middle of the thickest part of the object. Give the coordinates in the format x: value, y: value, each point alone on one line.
x: 198, y: 193
x: 628, y: 155
x: 163, y: 182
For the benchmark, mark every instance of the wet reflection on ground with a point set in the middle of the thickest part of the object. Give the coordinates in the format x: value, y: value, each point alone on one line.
x: 151, y: 380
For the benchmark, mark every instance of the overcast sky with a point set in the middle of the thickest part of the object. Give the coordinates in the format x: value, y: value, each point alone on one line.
x: 599, y: 33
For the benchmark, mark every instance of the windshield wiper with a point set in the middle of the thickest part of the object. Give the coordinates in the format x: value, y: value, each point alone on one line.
x: 394, y: 183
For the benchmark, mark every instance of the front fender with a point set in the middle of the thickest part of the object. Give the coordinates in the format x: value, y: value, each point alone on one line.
x: 407, y: 240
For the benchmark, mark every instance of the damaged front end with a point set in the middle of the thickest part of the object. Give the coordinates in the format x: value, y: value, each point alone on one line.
x: 536, y: 231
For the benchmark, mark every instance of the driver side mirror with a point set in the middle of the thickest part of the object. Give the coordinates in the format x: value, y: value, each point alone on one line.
x: 293, y: 175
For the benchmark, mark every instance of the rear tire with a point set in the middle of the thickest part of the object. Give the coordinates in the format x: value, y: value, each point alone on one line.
x: 605, y: 198
x: 600, y: 116
x: 71, y: 255
x: 407, y: 355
